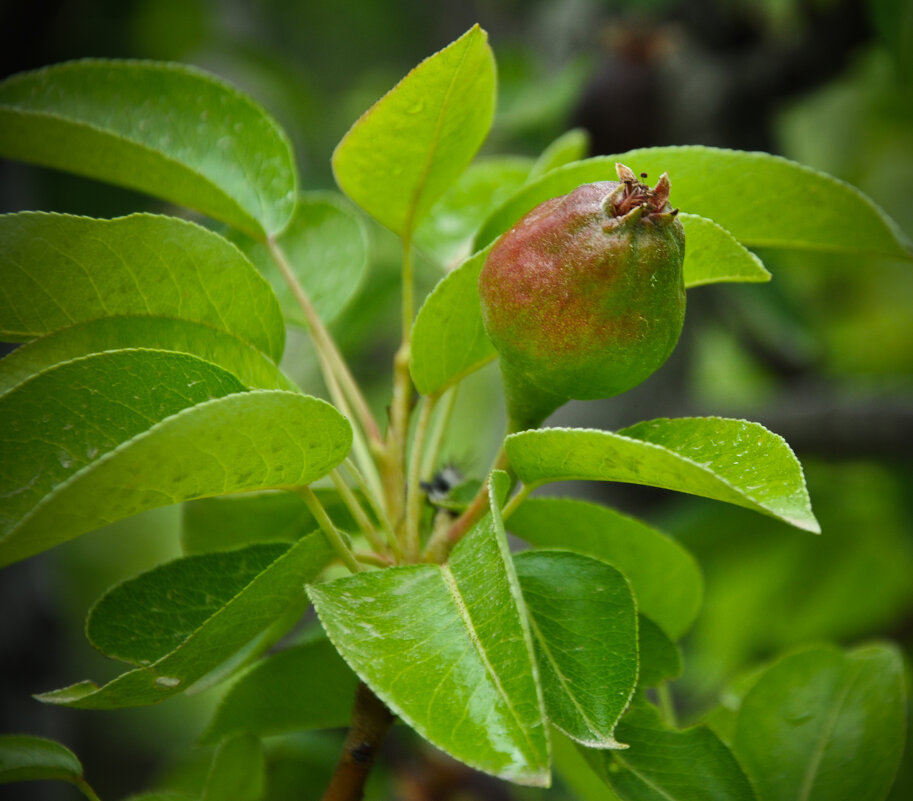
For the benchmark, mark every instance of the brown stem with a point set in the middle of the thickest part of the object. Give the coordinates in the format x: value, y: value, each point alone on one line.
x: 370, y: 722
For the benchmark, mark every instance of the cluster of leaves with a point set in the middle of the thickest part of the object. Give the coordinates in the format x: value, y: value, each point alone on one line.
x: 149, y: 376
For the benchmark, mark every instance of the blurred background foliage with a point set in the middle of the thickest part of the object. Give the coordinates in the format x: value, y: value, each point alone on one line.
x: 822, y: 355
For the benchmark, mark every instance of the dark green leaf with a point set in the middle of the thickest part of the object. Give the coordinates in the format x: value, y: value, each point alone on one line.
x: 165, y: 129
x: 446, y: 233
x: 305, y: 687
x: 401, y: 156
x: 234, y: 521
x: 448, y: 649
x: 664, y: 764
x: 660, y: 658
x: 585, y: 630
x: 237, y: 772
x: 823, y: 724
x: 326, y: 244
x: 60, y: 270
x: 251, y: 366
x: 763, y: 200
x: 101, y: 438
x: 728, y: 460
x: 178, y: 644
x: 27, y: 758
x: 448, y: 339
x: 665, y: 578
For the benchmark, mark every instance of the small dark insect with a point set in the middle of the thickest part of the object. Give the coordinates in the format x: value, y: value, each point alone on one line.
x: 443, y: 481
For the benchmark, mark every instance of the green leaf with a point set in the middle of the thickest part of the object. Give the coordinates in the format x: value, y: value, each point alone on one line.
x: 448, y: 649
x: 574, y: 771
x: 60, y: 270
x: 571, y: 146
x: 401, y: 156
x: 180, y: 644
x: 26, y: 758
x: 237, y: 772
x: 584, y: 627
x: 326, y: 244
x: 169, y: 130
x: 660, y: 658
x: 665, y: 577
x: 101, y: 438
x: 664, y: 764
x: 252, y: 367
x: 235, y: 521
x: 727, y: 460
x: 448, y: 338
x: 713, y: 255
x: 824, y: 724
x: 446, y: 233
x: 305, y: 687
x: 762, y: 200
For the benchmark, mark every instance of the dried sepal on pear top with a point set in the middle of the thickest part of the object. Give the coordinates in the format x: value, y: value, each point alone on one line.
x: 583, y: 298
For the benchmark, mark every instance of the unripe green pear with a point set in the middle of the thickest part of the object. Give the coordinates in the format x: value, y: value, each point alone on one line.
x: 583, y: 298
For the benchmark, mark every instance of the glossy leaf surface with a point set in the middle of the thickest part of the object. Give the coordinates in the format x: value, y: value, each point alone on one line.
x: 664, y: 764
x: 237, y: 772
x: 233, y: 521
x: 326, y: 244
x: 665, y: 578
x: 449, y: 339
x: 584, y: 626
x: 252, y: 367
x: 102, y: 438
x: 60, y: 269
x: 763, y: 200
x: 27, y: 758
x: 446, y: 233
x: 168, y: 130
x: 824, y: 724
x: 305, y: 687
x: 175, y: 650
x: 448, y: 649
x: 411, y: 145
x: 727, y: 460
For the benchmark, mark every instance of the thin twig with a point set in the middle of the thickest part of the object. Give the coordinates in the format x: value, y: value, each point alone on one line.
x: 377, y: 506
x: 442, y: 420
x: 325, y: 344
x: 362, y: 519
x: 329, y: 529
x: 414, y: 493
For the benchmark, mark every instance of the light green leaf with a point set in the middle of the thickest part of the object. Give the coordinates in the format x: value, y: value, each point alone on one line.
x: 762, y: 200
x: 238, y: 772
x: 26, y: 758
x: 60, y: 270
x: 714, y: 457
x: 446, y: 233
x: 584, y: 627
x: 571, y: 146
x: 405, y: 151
x: 101, y: 438
x: 664, y: 764
x: 305, y: 687
x: 448, y: 649
x: 824, y: 724
x: 448, y: 338
x: 172, y: 652
x: 326, y: 244
x: 660, y: 658
x: 665, y: 577
x: 574, y: 771
x: 252, y: 367
x: 235, y: 521
x: 713, y: 255
x: 169, y: 130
